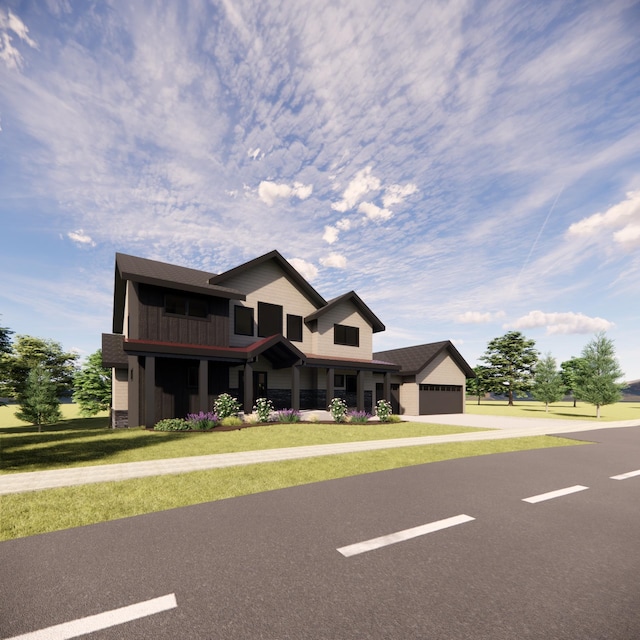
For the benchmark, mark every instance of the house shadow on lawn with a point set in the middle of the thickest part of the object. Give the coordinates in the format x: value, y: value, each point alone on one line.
x: 560, y: 414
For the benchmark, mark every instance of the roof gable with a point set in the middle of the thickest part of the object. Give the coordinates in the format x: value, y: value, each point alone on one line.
x: 291, y: 273
x: 354, y: 298
x: 412, y: 360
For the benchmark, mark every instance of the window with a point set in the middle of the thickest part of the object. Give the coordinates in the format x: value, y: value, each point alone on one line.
x: 349, y: 336
x: 197, y: 308
x: 338, y: 380
x: 176, y: 305
x: 269, y: 319
x: 192, y: 377
x: 179, y: 306
x: 294, y: 328
x: 243, y: 321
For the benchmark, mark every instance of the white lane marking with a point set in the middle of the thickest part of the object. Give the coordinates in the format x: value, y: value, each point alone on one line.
x: 100, y: 621
x: 624, y: 476
x: 401, y: 536
x: 554, y: 494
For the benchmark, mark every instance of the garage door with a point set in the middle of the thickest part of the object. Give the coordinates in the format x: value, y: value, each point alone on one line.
x: 440, y: 398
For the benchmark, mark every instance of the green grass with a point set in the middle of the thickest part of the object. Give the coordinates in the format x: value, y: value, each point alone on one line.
x: 557, y: 410
x: 87, y: 441
x: 27, y: 514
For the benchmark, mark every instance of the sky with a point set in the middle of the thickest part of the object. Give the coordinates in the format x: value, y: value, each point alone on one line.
x: 467, y: 167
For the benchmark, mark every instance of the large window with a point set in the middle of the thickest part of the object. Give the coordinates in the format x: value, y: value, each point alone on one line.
x: 294, y: 328
x: 243, y: 321
x: 269, y: 319
x: 343, y: 334
x: 181, y: 306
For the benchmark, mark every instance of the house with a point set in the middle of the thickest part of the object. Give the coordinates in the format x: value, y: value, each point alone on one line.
x: 431, y: 380
x: 182, y: 336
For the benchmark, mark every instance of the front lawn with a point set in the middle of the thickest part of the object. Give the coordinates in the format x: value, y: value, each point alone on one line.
x: 557, y: 410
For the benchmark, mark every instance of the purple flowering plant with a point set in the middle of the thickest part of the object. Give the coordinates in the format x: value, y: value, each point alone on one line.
x: 202, y: 421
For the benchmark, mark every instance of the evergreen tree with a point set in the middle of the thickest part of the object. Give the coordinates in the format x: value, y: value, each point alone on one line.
x: 39, y: 399
x: 5, y: 349
x: 569, y: 373
x: 92, y: 386
x: 481, y: 384
x: 598, y: 374
x: 547, y: 381
x: 511, y: 359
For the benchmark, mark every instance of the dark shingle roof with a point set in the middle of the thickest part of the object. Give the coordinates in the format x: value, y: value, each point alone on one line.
x: 412, y: 360
x: 113, y: 354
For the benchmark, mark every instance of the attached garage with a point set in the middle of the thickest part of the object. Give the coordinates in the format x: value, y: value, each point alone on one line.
x: 432, y: 378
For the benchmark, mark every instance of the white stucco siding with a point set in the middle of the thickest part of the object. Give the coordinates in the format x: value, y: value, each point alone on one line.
x: 442, y: 370
x: 346, y: 314
x: 119, y: 389
x: 268, y: 283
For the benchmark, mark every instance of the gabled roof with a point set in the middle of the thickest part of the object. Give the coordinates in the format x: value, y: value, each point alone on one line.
x: 293, y: 274
x: 353, y: 297
x: 412, y: 360
x: 161, y: 274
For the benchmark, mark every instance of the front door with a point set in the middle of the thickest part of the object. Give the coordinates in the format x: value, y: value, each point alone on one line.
x: 260, y: 389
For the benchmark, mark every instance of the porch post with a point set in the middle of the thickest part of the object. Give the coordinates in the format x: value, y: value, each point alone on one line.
x: 203, y: 385
x: 248, y: 388
x: 360, y: 390
x: 329, y: 385
x: 386, y: 392
x: 149, y: 391
x: 295, y: 387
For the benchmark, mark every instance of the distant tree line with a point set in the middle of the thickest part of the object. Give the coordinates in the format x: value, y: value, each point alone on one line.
x: 37, y: 373
x: 512, y: 367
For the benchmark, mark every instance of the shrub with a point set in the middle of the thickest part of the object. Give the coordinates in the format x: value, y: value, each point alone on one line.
x: 231, y: 421
x: 172, y: 424
x: 202, y: 421
x: 383, y: 410
x: 358, y: 417
x: 225, y: 406
x: 338, y: 409
x: 393, y: 418
x: 288, y: 415
x: 263, y: 409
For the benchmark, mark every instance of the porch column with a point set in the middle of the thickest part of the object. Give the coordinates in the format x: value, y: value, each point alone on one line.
x: 203, y: 385
x: 149, y: 391
x: 386, y: 391
x: 360, y: 390
x: 329, y: 385
x: 295, y: 387
x: 248, y: 388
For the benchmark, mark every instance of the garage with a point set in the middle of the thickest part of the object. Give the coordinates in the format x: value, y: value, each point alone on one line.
x: 440, y: 398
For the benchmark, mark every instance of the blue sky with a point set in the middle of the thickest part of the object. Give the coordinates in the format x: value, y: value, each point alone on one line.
x: 469, y: 168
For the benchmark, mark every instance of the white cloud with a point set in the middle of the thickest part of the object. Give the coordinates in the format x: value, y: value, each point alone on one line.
x: 373, y: 212
x: 306, y: 269
x: 334, y: 260
x: 360, y: 185
x: 477, y: 317
x: 344, y: 224
x: 628, y: 237
x: 80, y: 237
x: 614, y: 217
x: 330, y: 234
x: 254, y: 153
x: 396, y: 193
x: 9, y: 54
x: 270, y: 191
x: 561, y: 323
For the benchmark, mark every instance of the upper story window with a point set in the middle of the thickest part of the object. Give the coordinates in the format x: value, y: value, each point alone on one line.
x: 294, y: 328
x: 348, y: 336
x: 269, y: 319
x: 180, y: 306
x: 243, y: 321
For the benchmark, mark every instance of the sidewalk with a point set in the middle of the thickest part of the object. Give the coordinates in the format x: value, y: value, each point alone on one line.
x: 502, y: 428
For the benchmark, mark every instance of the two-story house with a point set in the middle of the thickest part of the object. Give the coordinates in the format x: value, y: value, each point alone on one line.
x: 183, y: 336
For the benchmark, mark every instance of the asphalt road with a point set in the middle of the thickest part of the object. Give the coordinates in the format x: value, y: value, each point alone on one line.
x: 268, y: 566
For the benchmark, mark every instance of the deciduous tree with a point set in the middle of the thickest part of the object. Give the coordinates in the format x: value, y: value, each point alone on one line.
x: 511, y: 359
x: 569, y: 373
x: 92, y: 386
x: 547, y: 382
x: 481, y: 384
x: 598, y: 374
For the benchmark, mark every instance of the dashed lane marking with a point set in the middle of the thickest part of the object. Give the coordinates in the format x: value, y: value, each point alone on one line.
x: 100, y: 621
x: 401, y: 536
x: 624, y: 476
x: 554, y: 494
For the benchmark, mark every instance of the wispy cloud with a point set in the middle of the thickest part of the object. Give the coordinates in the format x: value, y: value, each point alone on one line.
x: 563, y: 323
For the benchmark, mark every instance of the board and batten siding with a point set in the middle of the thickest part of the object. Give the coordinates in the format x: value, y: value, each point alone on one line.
x: 441, y: 370
x: 346, y: 314
x: 268, y: 283
x: 119, y: 389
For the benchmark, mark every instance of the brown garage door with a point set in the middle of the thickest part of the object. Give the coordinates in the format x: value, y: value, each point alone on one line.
x: 440, y: 398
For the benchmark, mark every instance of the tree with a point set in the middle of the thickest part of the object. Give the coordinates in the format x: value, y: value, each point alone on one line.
x: 481, y: 384
x: 598, y: 374
x: 569, y: 373
x: 5, y: 349
x: 92, y: 386
x: 547, y: 381
x: 38, y: 400
x: 511, y: 359
x: 28, y: 352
